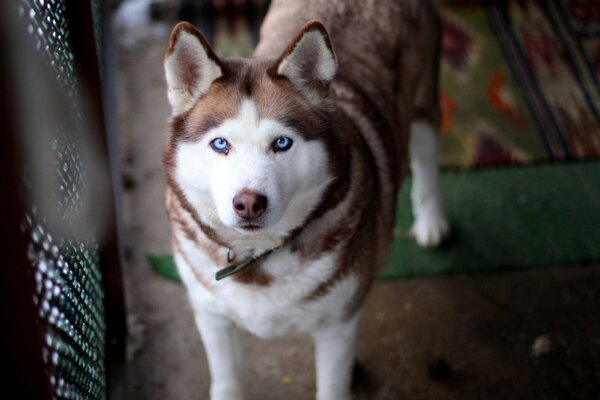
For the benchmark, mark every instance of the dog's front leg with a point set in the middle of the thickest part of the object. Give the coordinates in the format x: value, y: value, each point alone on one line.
x: 223, y: 349
x: 334, y: 357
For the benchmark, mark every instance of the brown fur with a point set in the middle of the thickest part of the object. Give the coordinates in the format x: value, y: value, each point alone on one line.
x: 192, y: 31
x: 199, y: 277
x: 178, y: 219
x: 321, y: 87
x: 253, y: 275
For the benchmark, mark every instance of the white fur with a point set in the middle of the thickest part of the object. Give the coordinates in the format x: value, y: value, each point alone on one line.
x: 311, y: 45
x: 430, y: 226
x: 188, y: 53
x: 293, y: 181
x: 278, y: 308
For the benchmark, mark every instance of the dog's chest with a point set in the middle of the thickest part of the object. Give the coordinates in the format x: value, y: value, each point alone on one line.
x: 286, y: 303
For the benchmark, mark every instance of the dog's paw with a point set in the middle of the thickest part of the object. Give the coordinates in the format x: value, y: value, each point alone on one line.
x: 430, y: 230
x: 334, y: 396
x: 225, y: 392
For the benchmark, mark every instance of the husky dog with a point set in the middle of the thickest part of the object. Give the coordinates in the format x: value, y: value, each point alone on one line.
x: 283, y: 171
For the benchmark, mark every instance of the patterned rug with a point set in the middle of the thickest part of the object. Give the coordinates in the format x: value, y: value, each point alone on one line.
x: 520, y: 81
x: 519, y: 77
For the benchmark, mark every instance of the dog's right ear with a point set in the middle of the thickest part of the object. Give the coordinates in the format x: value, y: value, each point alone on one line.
x: 309, y: 61
x: 191, y: 66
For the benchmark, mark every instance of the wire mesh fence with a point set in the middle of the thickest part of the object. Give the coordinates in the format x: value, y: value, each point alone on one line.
x: 59, y: 174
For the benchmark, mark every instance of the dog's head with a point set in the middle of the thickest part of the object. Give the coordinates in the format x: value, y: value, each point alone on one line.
x: 250, y: 146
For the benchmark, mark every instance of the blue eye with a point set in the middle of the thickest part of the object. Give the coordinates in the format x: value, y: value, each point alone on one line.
x: 282, y: 143
x: 220, y: 145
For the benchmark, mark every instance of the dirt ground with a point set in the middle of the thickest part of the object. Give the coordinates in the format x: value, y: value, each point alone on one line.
x: 452, y: 337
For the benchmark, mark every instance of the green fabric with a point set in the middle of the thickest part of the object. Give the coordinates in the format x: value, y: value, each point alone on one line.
x: 165, y: 266
x: 510, y: 218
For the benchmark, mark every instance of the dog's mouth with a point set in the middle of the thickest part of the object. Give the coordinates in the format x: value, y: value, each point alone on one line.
x: 251, y: 227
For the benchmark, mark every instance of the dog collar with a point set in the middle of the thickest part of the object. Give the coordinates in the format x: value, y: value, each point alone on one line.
x: 237, y: 267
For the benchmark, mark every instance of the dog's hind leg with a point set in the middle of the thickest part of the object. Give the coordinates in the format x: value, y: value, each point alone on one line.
x: 224, y: 354
x: 430, y: 225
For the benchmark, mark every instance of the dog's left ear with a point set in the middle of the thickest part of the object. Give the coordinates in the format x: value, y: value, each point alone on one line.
x: 309, y: 61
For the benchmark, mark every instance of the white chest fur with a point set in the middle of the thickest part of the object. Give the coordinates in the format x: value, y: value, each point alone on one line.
x: 273, y: 309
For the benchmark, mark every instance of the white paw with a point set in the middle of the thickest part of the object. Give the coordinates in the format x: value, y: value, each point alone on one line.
x: 225, y: 392
x: 430, y: 230
x: 334, y: 396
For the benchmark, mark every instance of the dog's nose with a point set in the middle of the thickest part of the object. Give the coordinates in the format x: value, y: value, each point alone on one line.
x: 249, y: 204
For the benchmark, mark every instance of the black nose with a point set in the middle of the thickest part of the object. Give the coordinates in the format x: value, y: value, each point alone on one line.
x: 249, y: 204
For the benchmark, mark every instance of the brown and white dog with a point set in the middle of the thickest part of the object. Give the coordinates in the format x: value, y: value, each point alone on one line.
x: 289, y: 164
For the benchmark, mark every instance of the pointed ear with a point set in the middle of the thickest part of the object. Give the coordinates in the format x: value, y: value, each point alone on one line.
x: 309, y: 61
x: 191, y: 66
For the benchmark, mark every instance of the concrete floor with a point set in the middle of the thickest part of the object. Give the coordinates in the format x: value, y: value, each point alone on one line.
x: 482, y: 326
